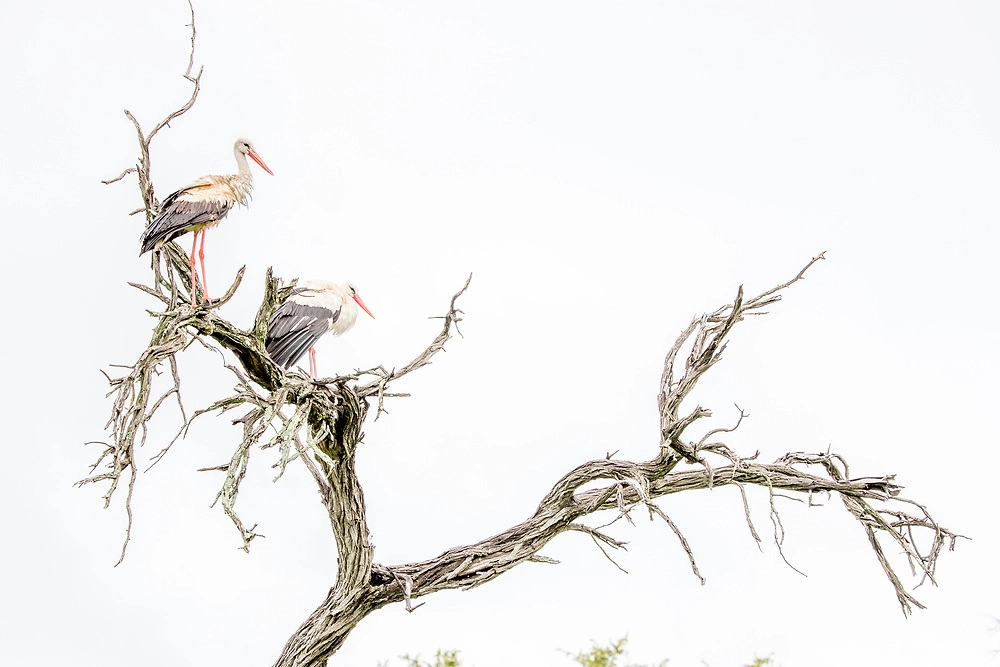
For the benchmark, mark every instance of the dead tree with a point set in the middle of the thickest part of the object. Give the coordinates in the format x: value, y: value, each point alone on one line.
x: 318, y: 423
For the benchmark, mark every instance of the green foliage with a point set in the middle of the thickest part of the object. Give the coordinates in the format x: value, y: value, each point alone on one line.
x: 441, y: 659
x: 597, y: 656
x: 600, y: 656
x: 605, y: 656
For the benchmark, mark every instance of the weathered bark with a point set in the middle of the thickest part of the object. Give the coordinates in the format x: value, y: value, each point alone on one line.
x: 336, y: 428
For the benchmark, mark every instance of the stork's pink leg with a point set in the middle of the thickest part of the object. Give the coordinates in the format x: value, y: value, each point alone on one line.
x: 312, y: 363
x: 201, y: 256
x: 194, y: 246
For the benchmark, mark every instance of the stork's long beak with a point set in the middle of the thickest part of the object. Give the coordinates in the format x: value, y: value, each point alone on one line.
x: 363, y: 306
x: 256, y: 158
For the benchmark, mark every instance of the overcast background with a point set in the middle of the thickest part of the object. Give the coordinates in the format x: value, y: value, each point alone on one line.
x: 606, y: 170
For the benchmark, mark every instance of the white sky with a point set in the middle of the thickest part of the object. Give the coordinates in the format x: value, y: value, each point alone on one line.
x: 606, y: 170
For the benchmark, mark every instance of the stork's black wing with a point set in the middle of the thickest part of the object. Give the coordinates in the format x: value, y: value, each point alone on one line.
x: 294, y: 328
x: 191, y: 207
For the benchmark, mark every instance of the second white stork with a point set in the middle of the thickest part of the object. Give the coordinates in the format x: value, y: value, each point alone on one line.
x: 313, y: 309
x: 201, y: 205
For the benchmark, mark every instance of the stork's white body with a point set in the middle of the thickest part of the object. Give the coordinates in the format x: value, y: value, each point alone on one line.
x: 202, y: 205
x: 315, y: 308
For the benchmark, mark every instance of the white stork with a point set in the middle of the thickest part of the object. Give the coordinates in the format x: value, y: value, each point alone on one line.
x: 313, y: 309
x: 201, y: 205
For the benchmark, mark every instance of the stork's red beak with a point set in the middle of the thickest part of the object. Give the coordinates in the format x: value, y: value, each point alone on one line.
x: 363, y: 306
x: 256, y: 158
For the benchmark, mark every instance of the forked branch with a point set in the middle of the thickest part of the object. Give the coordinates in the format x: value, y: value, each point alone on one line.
x: 143, y: 169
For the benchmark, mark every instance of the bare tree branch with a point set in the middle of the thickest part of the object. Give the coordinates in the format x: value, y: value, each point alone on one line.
x: 126, y: 172
x: 872, y: 500
x: 451, y: 320
x: 143, y: 168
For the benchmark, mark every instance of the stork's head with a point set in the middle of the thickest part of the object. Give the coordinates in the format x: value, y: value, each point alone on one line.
x: 352, y: 292
x: 311, y: 289
x: 245, y: 147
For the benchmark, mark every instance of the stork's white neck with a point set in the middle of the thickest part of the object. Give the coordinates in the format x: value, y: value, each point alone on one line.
x: 241, y: 163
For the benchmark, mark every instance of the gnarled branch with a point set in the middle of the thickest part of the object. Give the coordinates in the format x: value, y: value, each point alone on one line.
x: 874, y: 501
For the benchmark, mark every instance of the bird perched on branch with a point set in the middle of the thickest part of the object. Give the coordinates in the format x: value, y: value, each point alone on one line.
x: 313, y: 309
x: 201, y: 205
